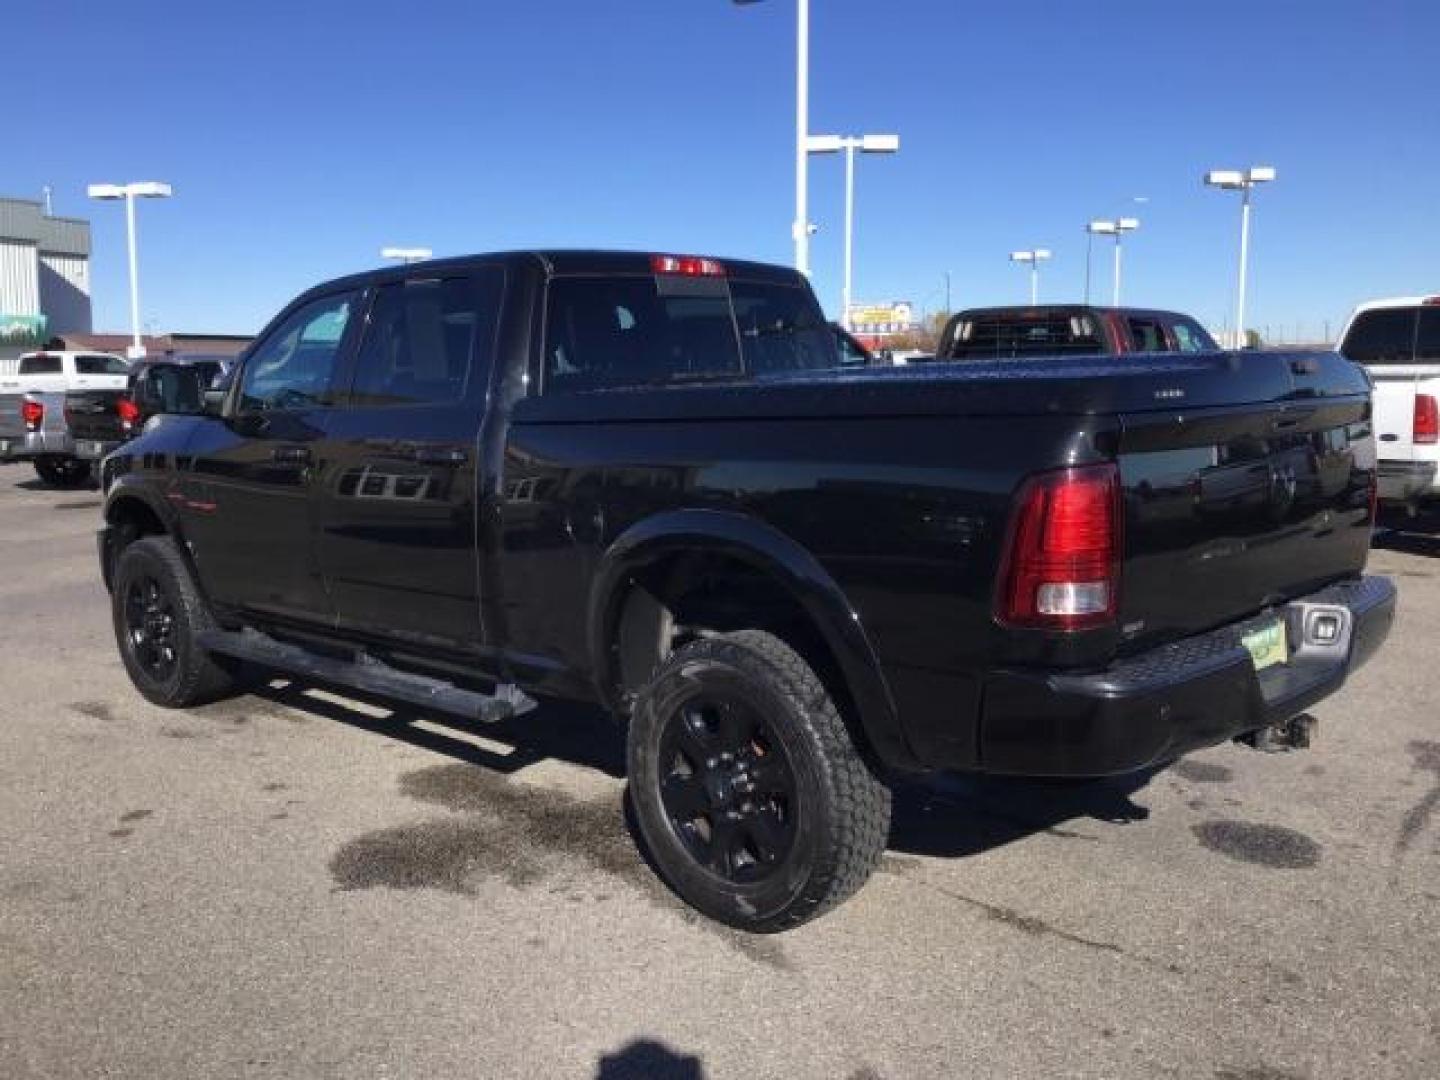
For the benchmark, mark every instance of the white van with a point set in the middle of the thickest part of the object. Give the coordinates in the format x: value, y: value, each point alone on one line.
x: 1398, y: 341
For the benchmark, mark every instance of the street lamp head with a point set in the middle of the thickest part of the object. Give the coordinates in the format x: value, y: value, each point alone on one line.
x: 1127, y: 224
x: 414, y: 254
x: 1261, y: 174
x: 879, y: 144
x: 144, y: 189
x: 824, y: 144
x: 1105, y: 227
x: 1229, y: 179
x: 1022, y: 256
x: 1041, y: 254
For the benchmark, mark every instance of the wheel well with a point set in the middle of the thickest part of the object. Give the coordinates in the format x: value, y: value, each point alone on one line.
x: 129, y: 520
x: 686, y: 595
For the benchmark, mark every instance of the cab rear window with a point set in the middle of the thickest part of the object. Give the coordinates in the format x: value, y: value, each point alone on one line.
x: 605, y: 332
x: 40, y: 365
x: 1007, y: 337
x: 1382, y: 336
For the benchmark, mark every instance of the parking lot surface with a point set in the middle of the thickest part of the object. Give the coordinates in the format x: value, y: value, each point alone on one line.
x: 295, y: 884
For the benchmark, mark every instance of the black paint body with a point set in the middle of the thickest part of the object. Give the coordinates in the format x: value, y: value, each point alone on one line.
x: 876, y: 500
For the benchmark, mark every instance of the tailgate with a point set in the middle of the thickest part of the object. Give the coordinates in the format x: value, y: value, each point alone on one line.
x: 1396, y: 388
x: 91, y: 414
x: 1231, y: 509
x: 11, y: 426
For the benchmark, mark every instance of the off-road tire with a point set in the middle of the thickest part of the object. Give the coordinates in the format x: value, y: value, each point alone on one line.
x: 842, y: 810
x: 63, y: 472
x: 198, y: 677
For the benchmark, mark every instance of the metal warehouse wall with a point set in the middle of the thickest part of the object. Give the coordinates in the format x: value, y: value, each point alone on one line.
x: 65, y: 292
x: 19, y: 279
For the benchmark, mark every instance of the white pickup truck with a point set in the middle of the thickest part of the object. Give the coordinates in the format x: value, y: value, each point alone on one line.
x: 33, y: 425
x: 1398, y: 342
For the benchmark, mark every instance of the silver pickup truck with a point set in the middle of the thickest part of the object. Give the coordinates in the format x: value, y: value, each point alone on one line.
x: 33, y: 399
x: 33, y: 428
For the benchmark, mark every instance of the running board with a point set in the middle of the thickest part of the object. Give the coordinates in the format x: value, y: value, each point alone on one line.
x: 373, y: 676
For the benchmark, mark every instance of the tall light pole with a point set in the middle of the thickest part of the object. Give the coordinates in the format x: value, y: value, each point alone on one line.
x: 801, y: 228
x: 146, y: 189
x: 1235, y: 180
x: 1116, y: 228
x: 406, y: 255
x: 866, y: 144
x: 1034, y: 257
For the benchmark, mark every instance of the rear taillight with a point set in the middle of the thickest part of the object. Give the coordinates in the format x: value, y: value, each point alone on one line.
x: 1427, y: 420
x: 33, y: 413
x: 128, y: 412
x: 1062, y: 558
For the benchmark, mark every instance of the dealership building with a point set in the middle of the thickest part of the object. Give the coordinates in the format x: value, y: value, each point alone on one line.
x: 44, y: 274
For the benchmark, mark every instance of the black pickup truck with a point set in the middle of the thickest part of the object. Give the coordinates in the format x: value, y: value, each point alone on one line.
x: 649, y: 482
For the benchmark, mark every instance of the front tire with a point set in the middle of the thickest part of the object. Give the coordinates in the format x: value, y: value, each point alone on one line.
x: 63, y: 472
x: 748, y: 789
x: 158, y: 614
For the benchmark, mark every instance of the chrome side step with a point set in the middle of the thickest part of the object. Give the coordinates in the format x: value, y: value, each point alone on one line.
x: 365, y: 672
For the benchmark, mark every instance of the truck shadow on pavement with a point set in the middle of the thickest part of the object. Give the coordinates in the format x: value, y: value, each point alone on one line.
x: 1400, y: 533
x: 939, y: 815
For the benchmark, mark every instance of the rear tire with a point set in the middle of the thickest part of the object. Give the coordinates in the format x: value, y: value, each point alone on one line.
x: 158, y: 614
x: 748, y: 789
x: 64, y: 472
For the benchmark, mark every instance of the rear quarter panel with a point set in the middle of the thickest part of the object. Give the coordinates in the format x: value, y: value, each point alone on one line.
x: 906, y: 514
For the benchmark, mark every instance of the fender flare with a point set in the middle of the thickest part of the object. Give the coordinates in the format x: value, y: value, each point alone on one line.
x: 772, y: 552
x: 125, y: 489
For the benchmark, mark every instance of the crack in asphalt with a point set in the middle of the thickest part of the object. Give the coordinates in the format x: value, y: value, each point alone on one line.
x: 1425, y: 757
x: 1016, y: 920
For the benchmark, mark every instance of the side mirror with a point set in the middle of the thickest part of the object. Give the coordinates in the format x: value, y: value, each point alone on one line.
x: 212, y: 402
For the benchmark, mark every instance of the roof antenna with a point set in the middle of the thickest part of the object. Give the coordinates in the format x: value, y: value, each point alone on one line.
x: 48, y: 207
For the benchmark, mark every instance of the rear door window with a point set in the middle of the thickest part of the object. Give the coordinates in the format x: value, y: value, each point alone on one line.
x: 428, y: 341
x: 1147, y: 335
x: 1382, y: 336
x: 40, y: 365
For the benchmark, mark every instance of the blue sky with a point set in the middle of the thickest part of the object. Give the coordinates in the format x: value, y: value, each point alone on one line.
x: 301, y: 137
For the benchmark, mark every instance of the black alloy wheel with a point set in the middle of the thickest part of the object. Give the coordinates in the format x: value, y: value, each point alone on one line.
x: 150, y: 626
x: 159, y: 615
x: 750, y: 794
x: 728, y: 788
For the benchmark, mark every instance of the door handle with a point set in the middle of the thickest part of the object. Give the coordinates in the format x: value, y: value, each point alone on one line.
x: 292, y: 455
x: 442, y: 455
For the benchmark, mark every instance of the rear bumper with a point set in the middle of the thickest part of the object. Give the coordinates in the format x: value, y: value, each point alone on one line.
x: 36, y: 444
x: 1152, y: 708
x: 1406, y: 482
x: 95, y: 449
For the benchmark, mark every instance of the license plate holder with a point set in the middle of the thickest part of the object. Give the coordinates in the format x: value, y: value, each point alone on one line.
x: 91, y: 449
x: 1267, y: 644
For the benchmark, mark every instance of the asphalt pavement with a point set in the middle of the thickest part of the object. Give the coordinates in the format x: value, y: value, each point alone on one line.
x: 295, y: 884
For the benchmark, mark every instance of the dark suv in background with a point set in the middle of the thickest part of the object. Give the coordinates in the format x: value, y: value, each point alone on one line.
x: 101, y: 420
